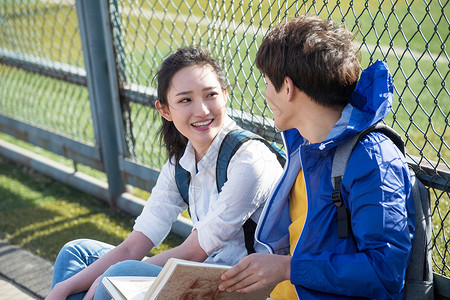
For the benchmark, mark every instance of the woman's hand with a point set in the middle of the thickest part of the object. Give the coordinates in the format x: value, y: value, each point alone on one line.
x: 190, y: 249
x: 58, y: 292
x: 91, y: 292
x: 255, y: 272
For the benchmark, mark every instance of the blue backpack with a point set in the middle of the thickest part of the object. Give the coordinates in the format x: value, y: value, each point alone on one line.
x: 230, y: 144
x: 419, y: 274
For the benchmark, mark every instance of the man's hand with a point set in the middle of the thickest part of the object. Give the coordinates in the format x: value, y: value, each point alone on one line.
x: 255, y: 272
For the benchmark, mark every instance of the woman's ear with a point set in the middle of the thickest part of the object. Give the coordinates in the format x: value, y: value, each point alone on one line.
x: 163, y: 110
x: 225, y: 93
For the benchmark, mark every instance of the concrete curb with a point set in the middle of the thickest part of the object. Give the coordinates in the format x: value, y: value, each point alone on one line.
x: 25, y: 269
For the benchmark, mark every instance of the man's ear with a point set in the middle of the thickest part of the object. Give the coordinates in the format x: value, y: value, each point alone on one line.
x: 163, y: 110
x: 290, y: 88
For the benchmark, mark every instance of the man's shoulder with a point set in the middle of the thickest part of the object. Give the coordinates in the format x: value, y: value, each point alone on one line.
x: 378, y: 143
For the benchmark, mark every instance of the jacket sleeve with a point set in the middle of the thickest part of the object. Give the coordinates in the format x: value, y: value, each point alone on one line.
x: 376, y: 190
x: 162, y: 208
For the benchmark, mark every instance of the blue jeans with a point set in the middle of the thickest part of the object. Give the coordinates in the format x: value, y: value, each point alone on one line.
x: 79, y: 254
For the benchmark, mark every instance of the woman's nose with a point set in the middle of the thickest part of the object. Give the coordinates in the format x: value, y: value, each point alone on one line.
x: 201, y: 108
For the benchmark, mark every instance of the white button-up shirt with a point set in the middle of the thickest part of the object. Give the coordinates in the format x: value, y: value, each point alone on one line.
x: 218, y: 218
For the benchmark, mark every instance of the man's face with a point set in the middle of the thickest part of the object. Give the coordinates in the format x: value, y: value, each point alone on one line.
x: 277, y: 101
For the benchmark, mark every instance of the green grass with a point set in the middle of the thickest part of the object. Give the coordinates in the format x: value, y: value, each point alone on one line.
x: 40, y: 214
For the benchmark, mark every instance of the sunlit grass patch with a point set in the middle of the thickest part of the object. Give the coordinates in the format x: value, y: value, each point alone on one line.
x: 41, y: 215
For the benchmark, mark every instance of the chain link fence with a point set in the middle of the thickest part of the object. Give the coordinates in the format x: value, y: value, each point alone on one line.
x: 43, y: 38
x: 43, y: 80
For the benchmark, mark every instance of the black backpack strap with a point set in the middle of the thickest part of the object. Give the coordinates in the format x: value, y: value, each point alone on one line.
x: 230, y: 144
x: 183, y: 179
x: 249, y: 235
x: 340, y: 161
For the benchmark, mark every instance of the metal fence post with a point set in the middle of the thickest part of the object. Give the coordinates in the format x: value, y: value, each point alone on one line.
x: 99, y: 87
x: 116, y: 63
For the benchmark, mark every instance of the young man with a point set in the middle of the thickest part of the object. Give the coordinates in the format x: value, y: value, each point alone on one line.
x: 311, y: 71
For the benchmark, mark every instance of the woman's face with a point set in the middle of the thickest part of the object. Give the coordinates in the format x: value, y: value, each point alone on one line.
x: 196, y: 105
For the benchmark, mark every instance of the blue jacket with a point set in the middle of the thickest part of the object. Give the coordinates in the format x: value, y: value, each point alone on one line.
x: 371, y: 263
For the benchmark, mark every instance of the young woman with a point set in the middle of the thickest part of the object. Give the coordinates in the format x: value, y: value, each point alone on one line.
x: 191, y: 100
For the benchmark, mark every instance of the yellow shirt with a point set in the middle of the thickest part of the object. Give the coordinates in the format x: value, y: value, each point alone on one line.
x: 297, y: 212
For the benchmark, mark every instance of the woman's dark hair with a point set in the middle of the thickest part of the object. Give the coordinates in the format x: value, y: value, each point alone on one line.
x: 317, y: 55
x: 172, y: 139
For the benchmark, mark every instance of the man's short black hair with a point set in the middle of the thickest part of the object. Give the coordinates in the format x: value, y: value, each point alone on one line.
x: 317, y: 55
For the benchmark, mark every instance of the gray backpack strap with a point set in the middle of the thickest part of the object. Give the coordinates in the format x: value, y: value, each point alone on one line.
x: 341, y: 157
x: 345, y: 149
x: 419, y: 274
x: 340, y: 160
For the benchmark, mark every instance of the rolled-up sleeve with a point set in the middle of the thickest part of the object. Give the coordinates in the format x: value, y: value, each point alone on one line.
x: 162, y: 208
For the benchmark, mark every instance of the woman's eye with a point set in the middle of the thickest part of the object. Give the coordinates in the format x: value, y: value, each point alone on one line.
x: 185, y: 100
x: 213, y: 94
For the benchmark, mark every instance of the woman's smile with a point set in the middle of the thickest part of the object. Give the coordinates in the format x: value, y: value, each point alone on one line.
x: 202, y: 125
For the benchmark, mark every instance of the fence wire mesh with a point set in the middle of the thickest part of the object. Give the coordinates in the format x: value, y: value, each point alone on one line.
x: 43, y: 37
x: 42, y: 76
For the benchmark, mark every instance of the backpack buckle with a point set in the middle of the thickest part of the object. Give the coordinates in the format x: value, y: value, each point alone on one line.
x: 337, y: 198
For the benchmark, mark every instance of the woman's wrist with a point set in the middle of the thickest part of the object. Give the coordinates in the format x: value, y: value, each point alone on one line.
x: 59, y: 291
